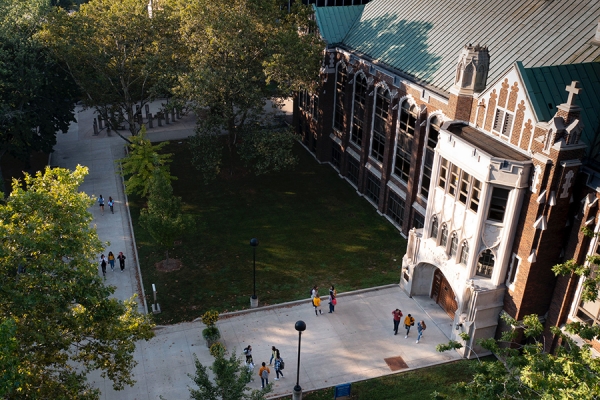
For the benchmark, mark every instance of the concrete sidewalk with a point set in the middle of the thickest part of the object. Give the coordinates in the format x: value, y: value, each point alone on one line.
x: 346, y: 346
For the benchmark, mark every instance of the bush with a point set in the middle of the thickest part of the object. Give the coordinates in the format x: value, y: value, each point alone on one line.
x: 210, y: 318
x: 217, y: 349
x: 211, y: 333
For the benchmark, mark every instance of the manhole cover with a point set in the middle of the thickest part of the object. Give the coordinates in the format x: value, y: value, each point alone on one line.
x: 395, y: 363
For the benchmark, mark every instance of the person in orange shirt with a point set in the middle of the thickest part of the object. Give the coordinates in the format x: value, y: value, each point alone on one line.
x: 264, y: 372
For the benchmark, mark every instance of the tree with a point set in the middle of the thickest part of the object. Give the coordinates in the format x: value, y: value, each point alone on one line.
x: 241, y: 53
x: 528, y: 370
x: 231, y: 378
x: 163, y: 218
x: 119, y: 56
x: 142, y: 163
x: 58, y: 321
x: 36, y: 95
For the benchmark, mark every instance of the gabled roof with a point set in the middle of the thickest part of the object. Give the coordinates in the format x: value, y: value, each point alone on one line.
x: 423, y: 38
x: 546, y: 89
x: 334, y: 22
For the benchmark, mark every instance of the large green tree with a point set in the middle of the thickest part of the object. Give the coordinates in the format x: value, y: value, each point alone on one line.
x: 118, y: 54
x: 240, y: 54
x: 36, y: 94
x: 163, y: 218
x: 58, y: 320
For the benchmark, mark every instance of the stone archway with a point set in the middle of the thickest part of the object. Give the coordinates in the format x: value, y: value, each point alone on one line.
x: 442, y: 293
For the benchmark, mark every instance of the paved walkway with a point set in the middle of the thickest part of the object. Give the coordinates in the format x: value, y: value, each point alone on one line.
x: 346, y: 346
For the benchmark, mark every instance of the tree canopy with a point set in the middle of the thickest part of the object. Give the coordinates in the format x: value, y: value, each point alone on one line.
x: 36, y: 94
x: 163, y: 218
x: 119, y: 56
x: 239, y: 54
x: 142, y: 163
x: 57, y: 318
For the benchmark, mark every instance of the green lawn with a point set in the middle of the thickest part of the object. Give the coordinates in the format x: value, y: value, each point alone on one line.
x: 412, y: 385
x: 312, y: 227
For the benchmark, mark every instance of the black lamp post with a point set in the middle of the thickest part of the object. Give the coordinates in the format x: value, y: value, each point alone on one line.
x: 254, y: 301
x: 297, y: 393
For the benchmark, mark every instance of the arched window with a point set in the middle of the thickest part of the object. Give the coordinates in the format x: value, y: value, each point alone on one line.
x: 464, y: 254
x: 382, y: 107
x: 360, y: 104
x: 485, y: 264
x: 454, y: 245
x: 432, y: 139
x: 444, y: 236
x: 434, y: 228
x: 406, y: 131
x: 340, y: 88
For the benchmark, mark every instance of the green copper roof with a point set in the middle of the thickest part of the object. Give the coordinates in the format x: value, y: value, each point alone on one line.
x: 546, y: 89
x: 423, y: 38
x: 334, y: 22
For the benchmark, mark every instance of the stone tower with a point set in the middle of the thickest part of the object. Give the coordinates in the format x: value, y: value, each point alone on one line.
x: 472, y: 70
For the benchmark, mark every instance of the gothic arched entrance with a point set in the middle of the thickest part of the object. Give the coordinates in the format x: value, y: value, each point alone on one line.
x: 442, y: 293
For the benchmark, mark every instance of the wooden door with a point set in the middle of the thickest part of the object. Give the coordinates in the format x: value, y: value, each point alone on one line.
x: 443, y: 294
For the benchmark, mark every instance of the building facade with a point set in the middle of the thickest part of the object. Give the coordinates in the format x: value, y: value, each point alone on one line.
x: 480, y: 154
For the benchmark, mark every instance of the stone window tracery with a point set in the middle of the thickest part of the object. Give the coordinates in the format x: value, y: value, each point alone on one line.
x: 404, y: 140
x: 485, y: 264
x: 382, y: 106
x: 360, y: 104
x: 340, y: 87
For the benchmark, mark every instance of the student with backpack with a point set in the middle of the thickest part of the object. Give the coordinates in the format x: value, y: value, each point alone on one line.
x: 248, y: 354
x: 264, y: 372
x: 279, y: 365
x: 408, y: 322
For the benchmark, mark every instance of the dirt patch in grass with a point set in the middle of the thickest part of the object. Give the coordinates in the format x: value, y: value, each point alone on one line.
x: 168, y: 265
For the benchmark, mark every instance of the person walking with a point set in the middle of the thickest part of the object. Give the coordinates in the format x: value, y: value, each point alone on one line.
x: 248, y: 353
x: 264, y: 372
x: 111, y: 260
x: 273, y: 354
x: 408, y: 322
x: 397, y: 315
x: 103, y: 265
x: 420, y: 328
x: 314, y: 292
x: 101, y: 202
x: 278, y: 366
x: 316, y: 301
x: 332, y: 299
x: 111, y: 203
x: 121, y: 257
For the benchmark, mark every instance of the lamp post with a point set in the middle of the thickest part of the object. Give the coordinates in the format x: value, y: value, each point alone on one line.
x: 297, y: 392
x: 254, y: 299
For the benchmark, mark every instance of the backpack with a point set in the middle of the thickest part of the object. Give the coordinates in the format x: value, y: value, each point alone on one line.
x: 246, y: 351
x: 103, y: 264
x: 265, y: 374
x: 310, y: 292
x: 281, y: 365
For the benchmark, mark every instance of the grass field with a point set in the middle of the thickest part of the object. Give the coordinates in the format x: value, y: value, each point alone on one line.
x: 311, y: 225
x: 413, y: 385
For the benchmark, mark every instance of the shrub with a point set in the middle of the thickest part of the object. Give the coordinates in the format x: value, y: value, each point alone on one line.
x: 210, y: 318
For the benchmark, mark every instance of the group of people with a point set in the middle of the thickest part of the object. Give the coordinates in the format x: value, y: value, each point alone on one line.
x: 110, y: 260
x: 111, y: 204
x: 264, y: 370
x: 316, y: 300
x: 408, y: 322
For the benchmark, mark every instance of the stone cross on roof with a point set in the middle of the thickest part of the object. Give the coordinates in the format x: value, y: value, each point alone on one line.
x: 573, y: 90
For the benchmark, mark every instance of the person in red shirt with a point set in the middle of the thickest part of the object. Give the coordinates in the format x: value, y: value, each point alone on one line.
x: 397, y: 314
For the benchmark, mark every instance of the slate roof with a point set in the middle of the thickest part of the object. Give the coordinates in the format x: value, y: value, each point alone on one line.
x: 423, y: 38
x: 546, y: 89
x: 334, y: 22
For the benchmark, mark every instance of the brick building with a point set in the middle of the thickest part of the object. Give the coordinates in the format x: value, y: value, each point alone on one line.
x: 476, y: 132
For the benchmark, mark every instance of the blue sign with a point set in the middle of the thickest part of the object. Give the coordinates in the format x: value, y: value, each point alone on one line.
x: 342, y: 390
